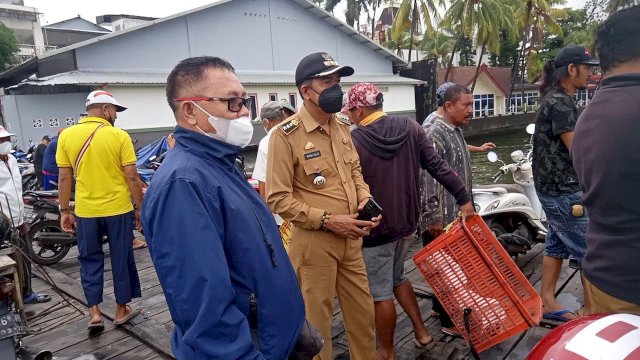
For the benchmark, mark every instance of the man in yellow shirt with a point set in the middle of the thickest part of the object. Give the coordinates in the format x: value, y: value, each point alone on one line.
x: 102, y: 159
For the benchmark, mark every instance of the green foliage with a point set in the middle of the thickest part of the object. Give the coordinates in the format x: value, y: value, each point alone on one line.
x: 405, y: 42
x: 8, y: 48
x: 437, y: 45
x: 416, y: 13
x: 467, y: 52
x: 508, y: 51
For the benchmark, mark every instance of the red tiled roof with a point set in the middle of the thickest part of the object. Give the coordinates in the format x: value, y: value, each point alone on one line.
x: 500, y: 76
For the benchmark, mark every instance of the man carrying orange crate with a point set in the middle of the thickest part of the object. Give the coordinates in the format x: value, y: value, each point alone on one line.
x: 441, y: 208
x: 395, y: 145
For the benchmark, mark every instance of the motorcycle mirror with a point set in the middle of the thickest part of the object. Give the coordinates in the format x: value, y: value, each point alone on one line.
x: 531, y: 128
x: 492, y: 156
x: 152, y: 158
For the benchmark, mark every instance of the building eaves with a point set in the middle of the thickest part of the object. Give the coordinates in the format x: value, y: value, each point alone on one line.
x: 19, y: 72
x: 90, y: 78
x: 105, y: 31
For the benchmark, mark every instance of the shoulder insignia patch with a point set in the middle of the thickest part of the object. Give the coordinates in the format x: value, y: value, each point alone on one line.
x: 288, y: 126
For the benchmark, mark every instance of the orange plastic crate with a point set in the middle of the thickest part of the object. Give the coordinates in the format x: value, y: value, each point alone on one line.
x: 468, y: 268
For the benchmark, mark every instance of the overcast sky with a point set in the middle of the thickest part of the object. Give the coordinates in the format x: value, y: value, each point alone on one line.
x: 58, y: 10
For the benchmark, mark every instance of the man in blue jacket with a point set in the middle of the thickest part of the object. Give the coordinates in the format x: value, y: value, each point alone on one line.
x: 230, y: 287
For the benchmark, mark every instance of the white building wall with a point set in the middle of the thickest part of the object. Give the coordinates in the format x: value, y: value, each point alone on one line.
x: 148, y: 108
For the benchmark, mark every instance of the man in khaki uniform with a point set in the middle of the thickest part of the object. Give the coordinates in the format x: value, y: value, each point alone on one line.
x: 315, y: 182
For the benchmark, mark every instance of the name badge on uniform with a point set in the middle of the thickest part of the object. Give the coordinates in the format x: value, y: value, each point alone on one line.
x: 312, y: 155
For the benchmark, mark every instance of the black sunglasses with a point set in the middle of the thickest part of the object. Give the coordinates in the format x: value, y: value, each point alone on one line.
x: 234, y: 104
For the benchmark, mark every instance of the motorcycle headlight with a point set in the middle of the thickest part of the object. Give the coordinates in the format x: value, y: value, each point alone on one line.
x: 476, y: 207
x: 494, y: 205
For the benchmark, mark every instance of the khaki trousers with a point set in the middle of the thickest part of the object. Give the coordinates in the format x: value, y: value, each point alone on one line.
x: 326, y: 264
x: 602, y: 303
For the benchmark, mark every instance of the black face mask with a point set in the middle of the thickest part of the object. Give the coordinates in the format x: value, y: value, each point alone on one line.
x: 330, y: 100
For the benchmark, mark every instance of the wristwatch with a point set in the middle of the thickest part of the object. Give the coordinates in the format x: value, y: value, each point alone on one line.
x: 63, y: 210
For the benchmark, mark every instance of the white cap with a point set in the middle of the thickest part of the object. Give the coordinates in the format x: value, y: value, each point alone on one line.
x: 4, y: 133
x: 103, y: 97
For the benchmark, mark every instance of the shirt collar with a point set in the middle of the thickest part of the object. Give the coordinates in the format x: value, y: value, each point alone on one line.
x: 308, y: 121
x: 446, y: 123
x: 94, y: 119
x: 373, y: 117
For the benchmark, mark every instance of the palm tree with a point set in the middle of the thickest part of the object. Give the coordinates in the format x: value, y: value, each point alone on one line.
x: 534, y: 18
x: 406, y: 41
x: 408, y: 18
x: 480, y: 20
x: 438, y: 45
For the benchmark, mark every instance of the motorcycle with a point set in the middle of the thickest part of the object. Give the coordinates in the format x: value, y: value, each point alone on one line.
x: 513, y: 211
x: 29, y: 178
x: 22, y: 156
x: 47, y: 242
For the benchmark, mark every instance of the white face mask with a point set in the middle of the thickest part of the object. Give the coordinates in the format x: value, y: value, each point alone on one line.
x: 236, y: 132
x: 5, y: 148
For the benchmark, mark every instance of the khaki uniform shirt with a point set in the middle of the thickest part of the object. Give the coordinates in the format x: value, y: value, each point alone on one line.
x: 299, y: 151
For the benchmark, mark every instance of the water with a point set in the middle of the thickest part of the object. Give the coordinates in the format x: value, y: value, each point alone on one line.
x: 483, y: 169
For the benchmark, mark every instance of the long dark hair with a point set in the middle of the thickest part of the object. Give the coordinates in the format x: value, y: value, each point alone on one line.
x: 552, y: 77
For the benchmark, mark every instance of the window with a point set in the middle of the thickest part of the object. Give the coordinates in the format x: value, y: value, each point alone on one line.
x: 293, y: 97
x: 254, y: 105
x: 516, y: 104
x: 273, y: 97
x: 483, y: 105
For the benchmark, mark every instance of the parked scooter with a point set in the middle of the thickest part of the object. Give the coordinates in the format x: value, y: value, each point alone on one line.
x: 513, y: 211
x: 46, y: 240
x: 29, y: 178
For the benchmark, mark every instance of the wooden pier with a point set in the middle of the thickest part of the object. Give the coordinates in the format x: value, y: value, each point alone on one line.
x: 60, y: 325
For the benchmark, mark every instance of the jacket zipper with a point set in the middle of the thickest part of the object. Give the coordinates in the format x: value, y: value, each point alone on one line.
x: 253, y: 311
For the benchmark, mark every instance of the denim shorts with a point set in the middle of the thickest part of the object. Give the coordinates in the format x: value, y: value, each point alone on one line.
x: 566, y: 236
x: 385, y: 266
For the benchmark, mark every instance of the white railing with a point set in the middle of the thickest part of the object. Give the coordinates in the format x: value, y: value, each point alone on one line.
x: 27, y: 51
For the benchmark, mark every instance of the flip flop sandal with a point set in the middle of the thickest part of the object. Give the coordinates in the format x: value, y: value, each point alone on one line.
x: 96, y: 327
x: 428, y: 346
x: 37, y: 298
x: 451, y: 333
x: 126, y: 319
x: 559, y: 315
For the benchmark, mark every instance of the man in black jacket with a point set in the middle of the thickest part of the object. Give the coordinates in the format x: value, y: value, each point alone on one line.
x: 606, y: 154
x: 392, y: 152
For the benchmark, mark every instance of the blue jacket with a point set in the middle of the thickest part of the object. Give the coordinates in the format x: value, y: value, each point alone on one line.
x: 215, y: 245
x: 49, y: 159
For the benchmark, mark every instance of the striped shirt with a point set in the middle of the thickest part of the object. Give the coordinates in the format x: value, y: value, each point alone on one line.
x: 438, y: 206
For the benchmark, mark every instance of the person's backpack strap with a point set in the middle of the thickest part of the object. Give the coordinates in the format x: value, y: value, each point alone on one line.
x: 85, y: 147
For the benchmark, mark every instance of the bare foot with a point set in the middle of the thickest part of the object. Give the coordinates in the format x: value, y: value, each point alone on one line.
x: 96, y: 315
x: 139, y: 244
x: 422, y: 335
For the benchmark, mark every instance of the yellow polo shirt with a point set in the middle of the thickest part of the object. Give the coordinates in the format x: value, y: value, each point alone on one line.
x: 101, y: 188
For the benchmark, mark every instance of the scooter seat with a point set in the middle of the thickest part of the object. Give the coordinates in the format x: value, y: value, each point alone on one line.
x: 43, y: 194
x: 505, y: 188
x: 496, y: 190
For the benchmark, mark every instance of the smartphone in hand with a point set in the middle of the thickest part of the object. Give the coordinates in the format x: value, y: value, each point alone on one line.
x: 371, y: 210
